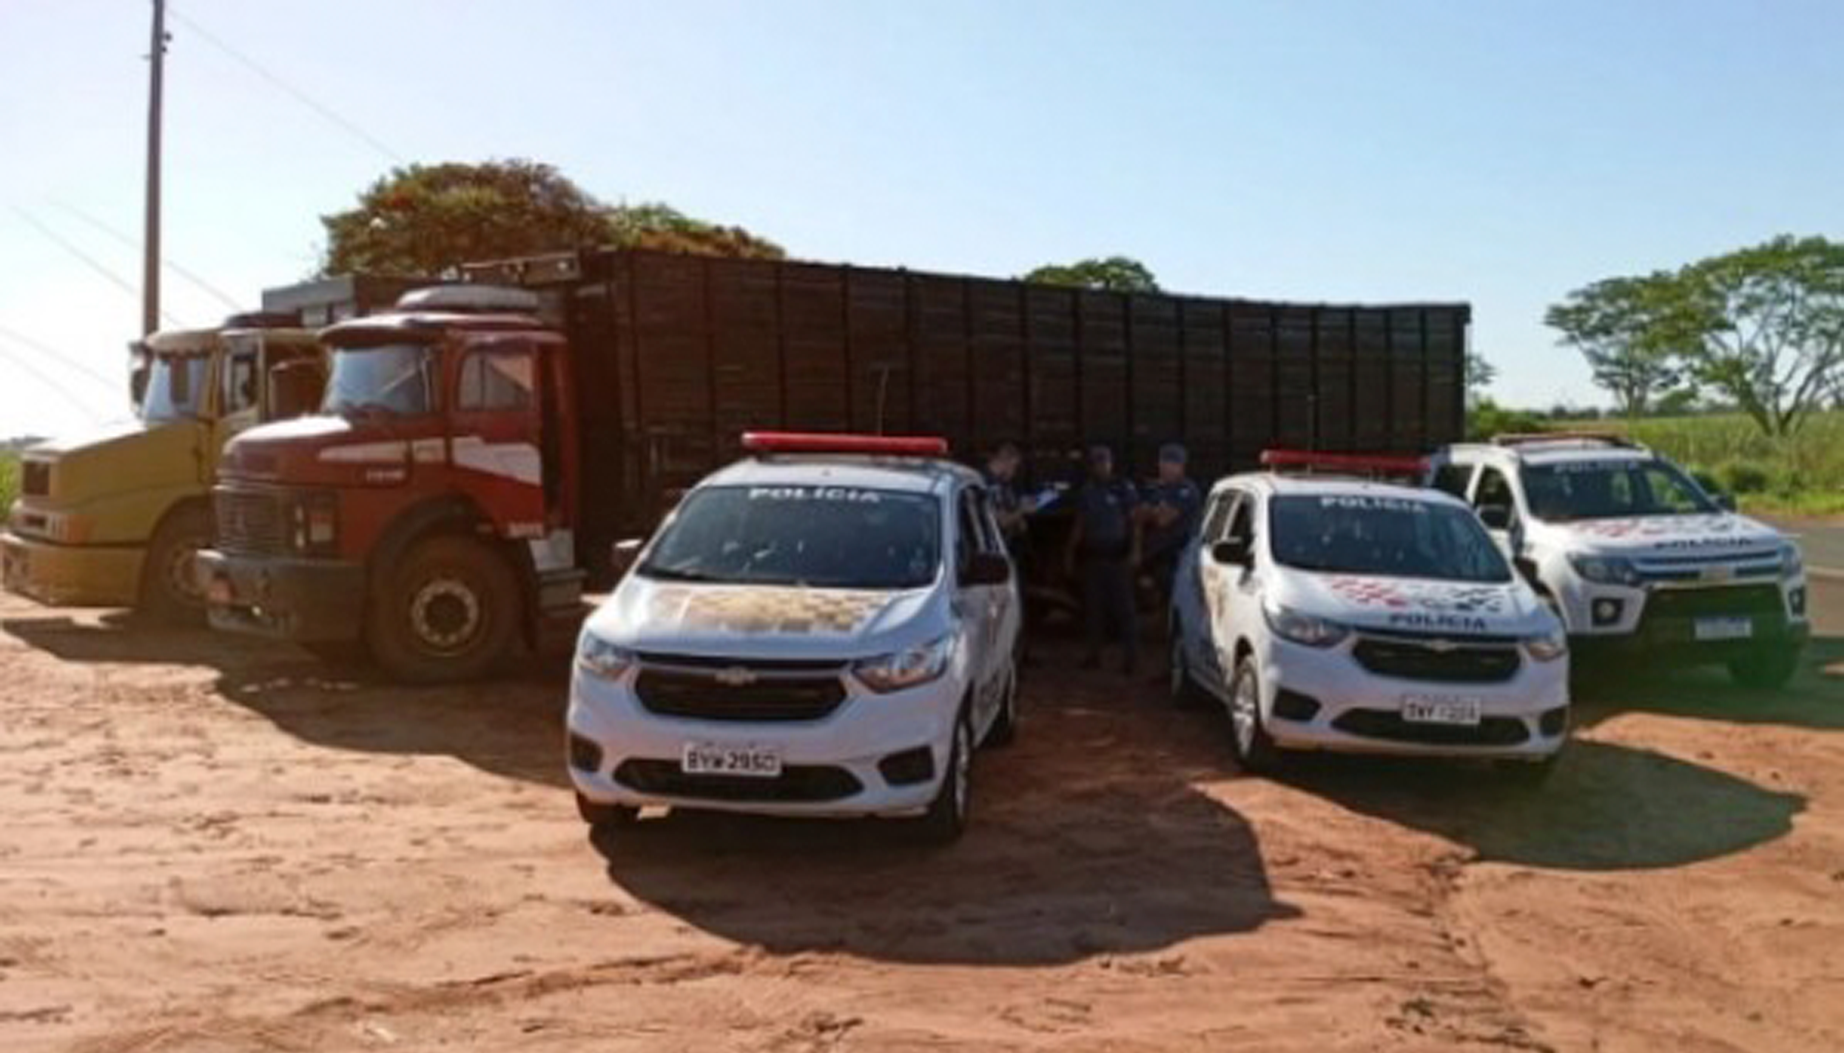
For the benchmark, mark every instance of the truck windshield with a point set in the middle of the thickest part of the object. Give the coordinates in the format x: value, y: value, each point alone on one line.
x: 175, y: 388
x: 1390, y: 536
x: 821, y: 536
x: 384, y: 378
x: 1611, y: 489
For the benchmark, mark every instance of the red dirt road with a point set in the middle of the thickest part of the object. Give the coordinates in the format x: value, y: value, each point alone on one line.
x: 215, y: 845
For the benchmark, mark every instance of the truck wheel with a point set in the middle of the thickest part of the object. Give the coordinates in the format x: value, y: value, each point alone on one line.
x: 1255, y: 751
x: 946, y: 818
x: 1768, y: 668
x: 446, y: 613
x: 170, y: 592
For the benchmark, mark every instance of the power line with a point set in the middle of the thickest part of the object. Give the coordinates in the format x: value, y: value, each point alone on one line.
x: 92, y: 262
x: 64, y: 358
x: 61, y: 391
x: 300, y: 96
x: 113, y: 232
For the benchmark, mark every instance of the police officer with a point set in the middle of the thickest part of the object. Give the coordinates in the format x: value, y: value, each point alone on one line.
x: 1169, y: 517
x: 1008, y: 507
x: 1103, y: 546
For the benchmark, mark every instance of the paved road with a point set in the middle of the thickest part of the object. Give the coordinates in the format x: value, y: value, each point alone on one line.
x: 1823, y: 541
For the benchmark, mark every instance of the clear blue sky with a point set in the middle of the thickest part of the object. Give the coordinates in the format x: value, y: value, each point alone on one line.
x: 1501, y: 153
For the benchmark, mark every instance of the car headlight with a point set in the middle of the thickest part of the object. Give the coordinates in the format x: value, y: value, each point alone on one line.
x: 1606, y: 570
x: 1308, y: 629
x: 599, y: 658
x: 907, y: 668
x: 1547, y: 647
x: 1792, y: 561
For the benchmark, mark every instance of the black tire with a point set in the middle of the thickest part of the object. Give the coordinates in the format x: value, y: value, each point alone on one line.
x: 169, y: 592
x: 606, y: 816
x: 1004, y: 730
x: 1769, y: 668
x: 1181, y: 687
x: 1255, y: 751
x: 946, y: 818
x: 446, y: 613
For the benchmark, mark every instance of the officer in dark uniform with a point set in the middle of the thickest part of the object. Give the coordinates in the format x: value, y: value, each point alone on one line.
x: 1169, y: 517
x: 1103, y: 547
x: 1008, y: 507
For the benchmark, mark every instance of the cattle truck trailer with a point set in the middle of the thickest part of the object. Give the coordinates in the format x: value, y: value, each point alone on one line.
x: 483, y: 445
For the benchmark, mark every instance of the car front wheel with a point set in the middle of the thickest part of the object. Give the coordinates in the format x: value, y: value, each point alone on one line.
x: 1255, y: 750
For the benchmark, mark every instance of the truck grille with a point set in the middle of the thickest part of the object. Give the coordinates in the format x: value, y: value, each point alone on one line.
x: 738, y: 693
x: 1463, y: 663
x: 250, y: 521
x: 1733, y: 599
x: 35, y: 478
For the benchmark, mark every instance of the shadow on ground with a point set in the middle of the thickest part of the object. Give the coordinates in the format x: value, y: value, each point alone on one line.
x: 510, y: 727
x: 1607, y: 807
x: 1088, y: 838
x: 1814, y: 699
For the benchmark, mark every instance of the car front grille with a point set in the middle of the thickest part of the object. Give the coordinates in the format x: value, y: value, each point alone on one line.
x: 796, y: 783
x: 35, y: 478
x: 1387, y: 725
x: 739, y: 691
x: 1726, y: 600
x: 250, y: 521
x: 1438, y: 659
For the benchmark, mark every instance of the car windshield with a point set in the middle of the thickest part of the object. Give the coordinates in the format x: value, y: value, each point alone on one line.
x: 1611, y: 489
x: 175, y: 388
x: 384, y: 378
x: 821, y: 536
x: 1395, y: 537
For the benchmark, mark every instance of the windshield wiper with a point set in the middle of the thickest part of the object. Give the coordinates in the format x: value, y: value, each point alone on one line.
x: 676, y: 574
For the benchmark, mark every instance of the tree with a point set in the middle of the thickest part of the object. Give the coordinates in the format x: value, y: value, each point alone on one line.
x: 1628, y: 329
x: 426, y: 219
x: 1115, y: 273
x: 1765, y: 327
x: 1479, y: 375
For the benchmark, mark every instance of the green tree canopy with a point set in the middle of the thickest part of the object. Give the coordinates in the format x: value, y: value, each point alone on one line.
x: 1625, y: 328
x: 425, y: 219
x: 1115, y: 273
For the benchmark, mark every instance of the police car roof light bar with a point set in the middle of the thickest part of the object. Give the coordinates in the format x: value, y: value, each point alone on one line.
x: 821, y: 442
x: 1345, y: 463
x: 1525, y: 438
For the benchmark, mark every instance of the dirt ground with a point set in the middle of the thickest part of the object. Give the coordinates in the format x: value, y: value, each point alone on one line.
x: 211, y: 844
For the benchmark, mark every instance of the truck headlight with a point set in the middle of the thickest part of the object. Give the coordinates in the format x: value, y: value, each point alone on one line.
x: 1547, y: 647
x: 601, y: 659
x: 907, y: 668
x: 1792, y: 561
x: 1606, y: 570
x: 1308, y: 629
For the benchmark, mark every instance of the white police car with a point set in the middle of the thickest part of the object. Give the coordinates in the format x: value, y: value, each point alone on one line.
x: 826, y: 628
x: 1350, y: 615
x: 1634, y: 555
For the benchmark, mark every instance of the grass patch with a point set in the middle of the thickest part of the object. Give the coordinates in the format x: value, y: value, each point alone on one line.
x: 1803, y: 474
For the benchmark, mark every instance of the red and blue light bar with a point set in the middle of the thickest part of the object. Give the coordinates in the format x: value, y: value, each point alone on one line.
x: 1346, y: 463
x: 824, y: 442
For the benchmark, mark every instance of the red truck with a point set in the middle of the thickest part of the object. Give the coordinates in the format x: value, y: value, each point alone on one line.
x: 481, y: 447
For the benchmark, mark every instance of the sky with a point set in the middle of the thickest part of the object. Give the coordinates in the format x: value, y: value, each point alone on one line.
x: 1500, y: 153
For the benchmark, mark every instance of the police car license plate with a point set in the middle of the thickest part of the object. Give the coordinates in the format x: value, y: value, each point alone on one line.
x: 1424, y: 709
x: 756, y: 762
x: 1723, y: 628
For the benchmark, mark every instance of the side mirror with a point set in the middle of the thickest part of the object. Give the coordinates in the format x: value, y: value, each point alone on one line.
x: 1496, y: 517
x: 623, y: 554
x: 987, y: 568
x: 1234, y: 552
x: 1724, y: 501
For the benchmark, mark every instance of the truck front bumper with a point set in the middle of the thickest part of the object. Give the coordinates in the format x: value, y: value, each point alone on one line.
x: 1678, y: 626
x: 303, y: 600
x: 71, y: 575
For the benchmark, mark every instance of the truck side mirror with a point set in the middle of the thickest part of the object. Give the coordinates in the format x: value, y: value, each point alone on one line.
x: 1233, y: 552
x: 987, y: 568
x: 1495, y: 517
x: 623, y: 554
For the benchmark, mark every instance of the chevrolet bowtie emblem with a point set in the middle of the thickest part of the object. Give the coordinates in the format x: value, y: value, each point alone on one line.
x: 1441, y: 646
x: 735, y: 676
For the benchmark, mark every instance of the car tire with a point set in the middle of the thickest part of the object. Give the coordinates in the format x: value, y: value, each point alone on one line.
x: 446, y: 613
x: 1769, y: 668
x: 1255, y: 751
x: 169, y: 591
x: 1004, y: 730
x: 946, y: 818
x: 606, y: 816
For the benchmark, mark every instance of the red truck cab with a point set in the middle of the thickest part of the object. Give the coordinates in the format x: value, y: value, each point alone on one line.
x: 426, y: 514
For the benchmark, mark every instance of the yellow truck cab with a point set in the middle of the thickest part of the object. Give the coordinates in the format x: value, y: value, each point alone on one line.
x: 113, y: 517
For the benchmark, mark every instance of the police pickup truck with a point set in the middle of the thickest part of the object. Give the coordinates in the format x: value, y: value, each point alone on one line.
x: 1338, y: 613
x: 825, y: 628
x: 1634, y: 555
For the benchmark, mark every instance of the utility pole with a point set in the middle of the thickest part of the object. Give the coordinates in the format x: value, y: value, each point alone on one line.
x: 150, y: 244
